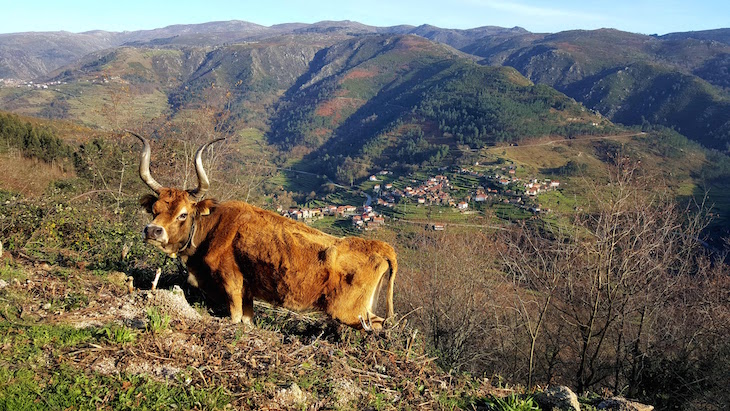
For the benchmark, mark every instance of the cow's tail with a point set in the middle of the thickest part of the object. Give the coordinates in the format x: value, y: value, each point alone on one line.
x: 393, y: 269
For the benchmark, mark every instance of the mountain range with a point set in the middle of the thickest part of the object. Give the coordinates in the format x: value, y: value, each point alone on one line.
x: 313, y: 85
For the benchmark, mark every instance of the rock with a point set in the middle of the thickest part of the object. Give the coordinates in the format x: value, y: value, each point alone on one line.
x: 177, y: 291
x: 346, y: 392
x: 3, y: 284
x: 557, y: 398
x: 291, y: 397
x: 622, y: 404
x: 172, y: 303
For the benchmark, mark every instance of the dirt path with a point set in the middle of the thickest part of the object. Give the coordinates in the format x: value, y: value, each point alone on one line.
x: 565, y: 140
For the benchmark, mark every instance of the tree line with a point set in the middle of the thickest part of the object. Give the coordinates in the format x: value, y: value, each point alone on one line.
x: 31, y: 140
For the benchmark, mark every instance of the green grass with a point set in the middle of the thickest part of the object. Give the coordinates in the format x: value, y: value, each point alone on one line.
x: 24, y: 344
x: 510, y: 212
x: 157, y: 321
x: 513, y: 402
x: 35, y: 375
x: 334, y: 226
x: 68, y: 388
x: 465, y: 182
x: 8, y: 271
x: 117, y: 334
x: 557, y: 201
x: 420, y: 212
x: 297, y: 182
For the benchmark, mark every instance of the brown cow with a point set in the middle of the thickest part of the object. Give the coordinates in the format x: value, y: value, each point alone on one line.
x: 238, y: 252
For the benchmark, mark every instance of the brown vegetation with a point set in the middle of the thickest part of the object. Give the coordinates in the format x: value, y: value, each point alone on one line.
x: 624, y: 299
x: 30, y: 177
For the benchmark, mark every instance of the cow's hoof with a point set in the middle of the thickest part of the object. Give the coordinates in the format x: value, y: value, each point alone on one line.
x: 247, y: 325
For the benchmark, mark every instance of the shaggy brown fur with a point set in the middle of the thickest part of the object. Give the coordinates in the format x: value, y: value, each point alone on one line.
x: 241, y: 252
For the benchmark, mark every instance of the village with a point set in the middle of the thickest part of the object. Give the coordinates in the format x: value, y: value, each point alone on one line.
x: 29, y: 84
x: 500, y: 186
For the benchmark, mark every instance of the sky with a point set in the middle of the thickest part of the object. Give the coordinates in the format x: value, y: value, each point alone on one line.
x: 637, y: 16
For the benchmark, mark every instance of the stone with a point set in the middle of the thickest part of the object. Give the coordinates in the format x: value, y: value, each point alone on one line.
x: 622, y: 404
x: 292, y: 397
x: 557, y: 398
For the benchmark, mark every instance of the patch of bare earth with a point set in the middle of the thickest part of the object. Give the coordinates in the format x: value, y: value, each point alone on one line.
x: 337, y: 106
x: 360, y: 73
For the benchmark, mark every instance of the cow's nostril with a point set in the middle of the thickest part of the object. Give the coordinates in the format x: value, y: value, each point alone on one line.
x: 153, y: 232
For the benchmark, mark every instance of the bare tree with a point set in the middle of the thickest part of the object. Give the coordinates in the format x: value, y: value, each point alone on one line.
x: 447, y: 285
x: 595, y: 286
x: 537, y: 260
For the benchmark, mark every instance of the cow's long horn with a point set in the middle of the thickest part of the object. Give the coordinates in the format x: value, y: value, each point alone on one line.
x: 203, y: 183
x: 144, y: 164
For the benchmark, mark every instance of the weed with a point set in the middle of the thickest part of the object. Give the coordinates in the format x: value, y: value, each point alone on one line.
x: 116, y: 334
x: 513, y: 402
x: 74, y: 301
x: 8, y: 271
x: 30, y: 345
x: 157, y: 322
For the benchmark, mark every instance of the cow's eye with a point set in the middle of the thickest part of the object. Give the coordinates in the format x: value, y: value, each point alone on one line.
x: 182, y: 216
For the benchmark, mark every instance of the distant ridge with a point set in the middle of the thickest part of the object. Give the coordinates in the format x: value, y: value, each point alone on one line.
x: 678, y: 80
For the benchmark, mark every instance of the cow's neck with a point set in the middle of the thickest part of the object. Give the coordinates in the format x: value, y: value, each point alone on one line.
x: 189, y: 247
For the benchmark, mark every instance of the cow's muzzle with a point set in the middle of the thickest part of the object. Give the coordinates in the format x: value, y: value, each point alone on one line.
x: 154, y: 233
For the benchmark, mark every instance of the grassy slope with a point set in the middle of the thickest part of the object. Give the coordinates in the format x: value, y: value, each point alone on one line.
x: 64, y: 345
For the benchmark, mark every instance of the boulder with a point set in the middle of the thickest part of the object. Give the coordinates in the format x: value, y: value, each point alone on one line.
x: 557, y: 398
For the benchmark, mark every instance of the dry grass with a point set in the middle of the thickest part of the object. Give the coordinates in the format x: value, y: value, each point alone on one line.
x: 29, y: 177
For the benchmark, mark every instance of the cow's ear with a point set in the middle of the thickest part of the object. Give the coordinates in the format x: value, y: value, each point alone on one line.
x: 147, y: 201
x: 205, y: 207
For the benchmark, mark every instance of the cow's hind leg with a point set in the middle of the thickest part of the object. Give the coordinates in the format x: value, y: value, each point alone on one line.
x: 373, y: 287
x: 371, y: 322
x: 247, y: 310
x: 234, y: 293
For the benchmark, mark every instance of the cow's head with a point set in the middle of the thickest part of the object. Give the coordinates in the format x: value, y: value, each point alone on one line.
x: 173, y: 210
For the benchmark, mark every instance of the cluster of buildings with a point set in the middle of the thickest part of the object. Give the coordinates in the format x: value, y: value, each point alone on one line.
x: 315, y: 213
x: 362, y: 218
x: 533, y: 187
x: 369, y: 219
x: 501, y: 186
x: 435, y: 190
x: 29, y: 84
